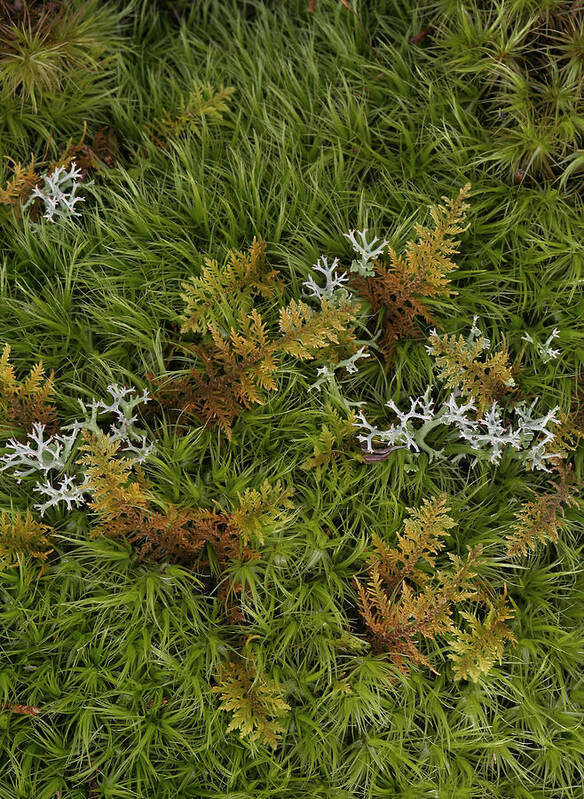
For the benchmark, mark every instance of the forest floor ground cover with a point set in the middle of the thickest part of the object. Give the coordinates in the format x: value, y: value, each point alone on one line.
x: 126, y: 670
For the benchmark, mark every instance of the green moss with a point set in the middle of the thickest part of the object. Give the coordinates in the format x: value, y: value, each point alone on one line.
x: 121, y: 656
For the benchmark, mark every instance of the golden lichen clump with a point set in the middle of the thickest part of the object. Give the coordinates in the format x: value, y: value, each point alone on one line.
x: 120, y: 501
x: 335, y: 439
x: 204, y: 102
x: 254, y: 699
x: 540, y: 519
x: 398, y: 291
x: 24, y: 179
x: 22, y: 536
x: 238, y: 355
x: 260, y: 507
x: 403, y: 601
x: 464, y: 366
x: 24, y: 402
x: 235, y: 369
x: 475, y: 651
x: 246, y: 274
x: 124, y: 508
x: 421, y: 540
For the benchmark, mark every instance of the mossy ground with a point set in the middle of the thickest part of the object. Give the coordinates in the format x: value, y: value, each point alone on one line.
x: 120, y: 656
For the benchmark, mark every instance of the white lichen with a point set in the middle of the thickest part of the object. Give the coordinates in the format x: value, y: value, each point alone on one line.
x: 66, y: 491
x: 403, y: 433
x: 326, y: 374
x: 123, y: 428
x: 333, y: 290
x: 491, y: 434
x: 37, y: 453
x: 545, y: 351
x: 476, y: 334
x: 53, y: 458
x: 367, y: 251
x: 58, y: 193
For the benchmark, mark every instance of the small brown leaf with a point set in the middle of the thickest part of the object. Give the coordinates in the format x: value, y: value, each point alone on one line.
x: 419, y: 37
x: 163, y: 702
x: 23, y: 710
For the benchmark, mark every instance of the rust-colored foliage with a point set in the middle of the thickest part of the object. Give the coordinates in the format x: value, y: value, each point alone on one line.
x: 24, y: 402
x: 540, y: 519
x: 228, y: 594
x: 124, y: 509
x: 402, y: 601
x: 399, y: 289
x: 234, y: 370
x: 467, y: 367
x: 183, y: 533
x: 421, y: 540
x: 23, y: 710
x: 103, y: 149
